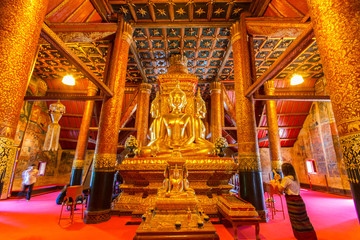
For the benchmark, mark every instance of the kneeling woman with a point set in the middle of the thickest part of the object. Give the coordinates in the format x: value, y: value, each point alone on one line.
x: 299, y: 219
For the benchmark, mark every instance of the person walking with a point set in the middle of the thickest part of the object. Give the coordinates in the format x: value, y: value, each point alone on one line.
x: 300, y: 222
x: 29, y: 177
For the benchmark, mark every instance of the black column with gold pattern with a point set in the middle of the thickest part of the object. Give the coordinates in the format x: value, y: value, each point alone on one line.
x: 251, y: 186
x: 107, y: 140
x: 337, y: 27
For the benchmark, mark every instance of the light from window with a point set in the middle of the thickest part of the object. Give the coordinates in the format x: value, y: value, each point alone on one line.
x: 310, y: 165
x: 42, y: 167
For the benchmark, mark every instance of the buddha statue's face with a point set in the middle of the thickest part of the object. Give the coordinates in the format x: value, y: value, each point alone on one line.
x: 177, y: 100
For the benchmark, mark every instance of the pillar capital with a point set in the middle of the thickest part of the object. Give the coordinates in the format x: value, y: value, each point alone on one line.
x: 92, y: 88
x: 215, y: 87
x: 235, y: 32
x: 269, y: 87
x: 145, y: 88
x: 125, y: 30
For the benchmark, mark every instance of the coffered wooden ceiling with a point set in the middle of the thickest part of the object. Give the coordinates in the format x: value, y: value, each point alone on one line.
x: 198, y: 29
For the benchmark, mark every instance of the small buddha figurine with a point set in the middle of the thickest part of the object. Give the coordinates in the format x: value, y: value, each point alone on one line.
x: 176, y: 182
x: 166, y: 183
x: 186, y: 181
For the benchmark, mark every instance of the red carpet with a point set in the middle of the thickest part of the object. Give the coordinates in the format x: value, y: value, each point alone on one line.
x: 333, y: 217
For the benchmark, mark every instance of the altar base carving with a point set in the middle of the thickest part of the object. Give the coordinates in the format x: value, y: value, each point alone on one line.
x: 208, y: 177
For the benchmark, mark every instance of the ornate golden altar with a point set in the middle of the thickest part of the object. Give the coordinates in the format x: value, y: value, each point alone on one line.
x: 143, y: 177
x: 177, y: 133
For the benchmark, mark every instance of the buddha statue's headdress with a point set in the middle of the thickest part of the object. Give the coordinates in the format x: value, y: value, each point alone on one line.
x: 177, y: 90
x: 178, y: 64
x: 198, y: 98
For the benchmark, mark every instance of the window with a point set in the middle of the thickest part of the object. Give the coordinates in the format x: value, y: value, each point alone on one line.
x: 42, y: 167
x: 310, y: 165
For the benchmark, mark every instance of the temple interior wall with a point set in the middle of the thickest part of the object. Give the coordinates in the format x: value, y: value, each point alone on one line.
x: 318, y: 142
x: 31, y: 130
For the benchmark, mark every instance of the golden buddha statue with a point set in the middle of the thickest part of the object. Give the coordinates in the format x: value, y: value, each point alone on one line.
x: 155, y: 113
x: 200, y: 129
x: 175, y: 132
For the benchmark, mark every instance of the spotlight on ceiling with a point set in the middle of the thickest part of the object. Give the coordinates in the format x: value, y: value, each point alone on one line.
x: 296, y: 79
x: 69, y: 80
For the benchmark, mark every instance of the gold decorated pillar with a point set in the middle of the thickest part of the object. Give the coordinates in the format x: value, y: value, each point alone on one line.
x: 337, y: 26
x: 81, y: 146
x: 251, y: 186
x: 216, y: 108
x: 273, y: 129
x: 20, y: 23
x: 107, y: 140
x: 142, y: 113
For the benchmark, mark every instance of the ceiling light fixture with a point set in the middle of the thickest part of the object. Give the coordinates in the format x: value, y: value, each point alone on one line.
x: 296, y: 79
x: 69, y: 80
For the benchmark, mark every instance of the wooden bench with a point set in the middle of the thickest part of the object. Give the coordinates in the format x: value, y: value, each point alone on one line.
x: 238, y: 212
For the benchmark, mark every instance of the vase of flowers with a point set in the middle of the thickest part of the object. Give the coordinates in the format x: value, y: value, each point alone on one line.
x: 131, y: 145
x: 220, y: 144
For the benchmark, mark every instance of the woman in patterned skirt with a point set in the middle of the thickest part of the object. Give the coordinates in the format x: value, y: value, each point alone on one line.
x: 299, y: 219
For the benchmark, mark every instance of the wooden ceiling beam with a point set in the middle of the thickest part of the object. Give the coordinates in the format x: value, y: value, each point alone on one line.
x: 131, y: 6
x: 229, y: 9
x: 90, y: 140
x: 96, y: 129
x: 230, y: 108
x: 171, y: 11
x: 181, y: 24
x: 293, y: 114
x: 137, y: 60
x: 129, y: 110
x: 210, y: 10
x: 275, y: 27
x: 258, y: 7
x: 57, y: 8
x: 299, y: 98
x: 66, y: 91
x: 75, y: 11
x: 72, y: 115
x: 275, y: 10
x: 83, y: 27
x: 264, y: 128
x: 102, y: 8
x: 289, y: 55
x: 225, y: 58
x: 283, y: 127
x: 191, y: 12
x: 152, y: 11
x: 294, y: 9
x: 63, y: 98
x: 57, y: 43
x: 174, y: 1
